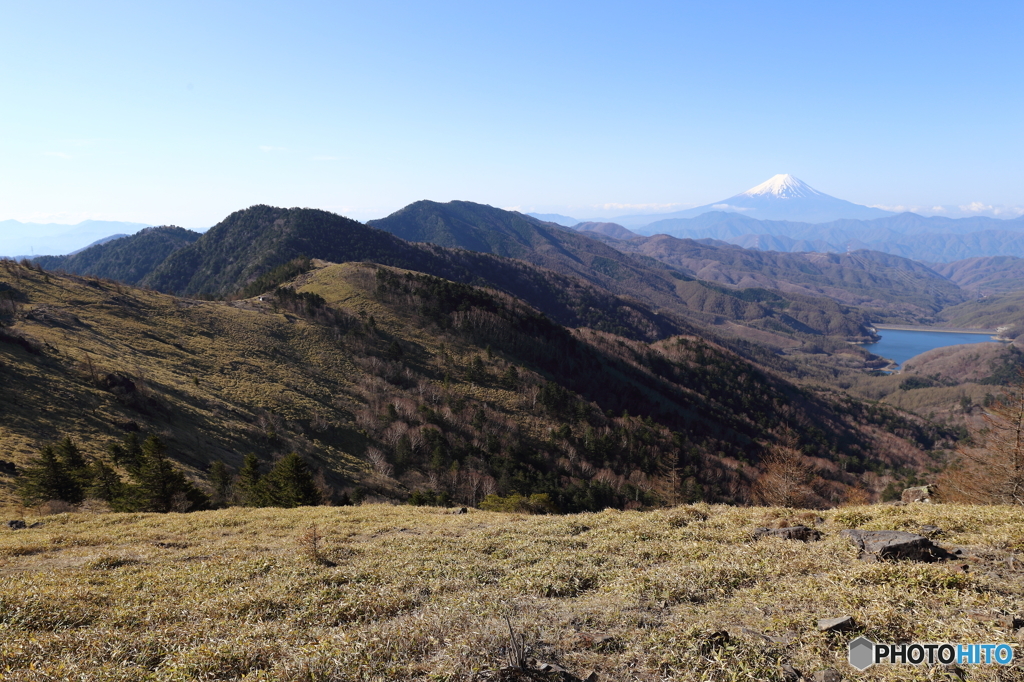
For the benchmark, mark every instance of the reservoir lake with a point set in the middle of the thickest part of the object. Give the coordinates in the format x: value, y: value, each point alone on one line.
x: 900, y: 345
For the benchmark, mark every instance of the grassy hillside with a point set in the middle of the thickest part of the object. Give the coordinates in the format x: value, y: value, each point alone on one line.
x: 400, y: 593
x: 399, y: 382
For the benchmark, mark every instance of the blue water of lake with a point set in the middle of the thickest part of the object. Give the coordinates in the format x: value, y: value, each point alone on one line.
x: 900, y: 345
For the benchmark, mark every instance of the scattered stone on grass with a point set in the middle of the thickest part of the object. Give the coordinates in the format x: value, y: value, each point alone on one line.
x: 802, y: 533
x: 789, y: 673
x: 828, y: 675
x: 840, y: 624
x: 894, y: 545
x: 16, y: 524
x: 923, y: 493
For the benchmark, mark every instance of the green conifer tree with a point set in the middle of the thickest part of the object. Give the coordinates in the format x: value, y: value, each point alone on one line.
x: 160, y: 487
x: 107, y: 485
x: 46, y: 478
x: 74, y: 462
x: 250, y: 488
x: 220, y: 480
x: 290, y: 484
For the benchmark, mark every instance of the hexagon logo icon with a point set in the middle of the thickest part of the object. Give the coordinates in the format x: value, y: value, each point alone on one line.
x: 862, y: 653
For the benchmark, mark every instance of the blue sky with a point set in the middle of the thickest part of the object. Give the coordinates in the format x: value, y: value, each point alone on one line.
x: 183, y: 112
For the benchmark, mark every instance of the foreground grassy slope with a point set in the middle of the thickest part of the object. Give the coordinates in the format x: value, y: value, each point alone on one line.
x: 403, y: 593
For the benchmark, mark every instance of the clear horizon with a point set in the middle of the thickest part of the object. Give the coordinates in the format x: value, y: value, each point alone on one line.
x: 181, y: 114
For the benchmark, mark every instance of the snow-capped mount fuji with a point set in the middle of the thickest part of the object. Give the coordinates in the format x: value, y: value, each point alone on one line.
x: 782, y: 186
x: 781, y: 197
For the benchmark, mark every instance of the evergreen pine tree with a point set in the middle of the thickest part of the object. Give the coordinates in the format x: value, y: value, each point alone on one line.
x: 107, y: 485
x: 74, y: 462
x: 128, y: 455
x: 46, y: 479
x: 250, y: 483
x: 220, y: 480
x: 160, y: 487
x: 290, y: 484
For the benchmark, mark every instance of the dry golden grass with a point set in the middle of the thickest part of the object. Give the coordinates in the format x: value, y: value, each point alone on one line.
x: 209, y: 375
x: 404, y: 593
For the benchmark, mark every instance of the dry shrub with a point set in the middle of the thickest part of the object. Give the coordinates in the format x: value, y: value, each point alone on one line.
x: 311, y: 545
x: 857, y: 497
x: 53, y: 507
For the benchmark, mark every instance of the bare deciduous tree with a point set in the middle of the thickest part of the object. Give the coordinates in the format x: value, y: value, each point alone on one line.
x: 786, y: 478
x: 992, y: 473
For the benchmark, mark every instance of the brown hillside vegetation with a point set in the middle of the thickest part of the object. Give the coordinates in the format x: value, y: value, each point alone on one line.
x: 396, y: 382
x: 400, y: 593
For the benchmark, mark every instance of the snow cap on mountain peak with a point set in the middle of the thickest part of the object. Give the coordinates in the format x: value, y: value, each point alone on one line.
x: 783, y: 186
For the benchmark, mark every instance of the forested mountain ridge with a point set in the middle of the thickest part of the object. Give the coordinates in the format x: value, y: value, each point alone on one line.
x: 568, y: 274
x: 127, y: 259
x: 485, y: 228
x: 390, y: 381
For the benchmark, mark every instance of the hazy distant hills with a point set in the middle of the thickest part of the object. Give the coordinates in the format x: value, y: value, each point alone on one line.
x: 993, y: 274
x: 928, y: 239
x: 607, y: 229
x: 22, y: 239
x: 868, y: 278
x: 558, y: 219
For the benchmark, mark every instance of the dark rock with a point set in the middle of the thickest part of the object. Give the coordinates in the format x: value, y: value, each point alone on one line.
x: 827, y: 676
x: 840, y: 624
x: 37, y: 524
x: 785, y: 638
x: 16, y: 524
x: 894, y: 545
x: 461, y: 510
x: 922, y: 493
x: 789, y: 673
x: 714, y: 640
x: 552, y: 673
x: 802, y: 533
x: 118, y: 383
x: 755, y: 634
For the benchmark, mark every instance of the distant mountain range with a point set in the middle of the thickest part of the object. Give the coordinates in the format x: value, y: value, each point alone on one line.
x: 782, y: 197
x: 931, y: 239
x: 18, y: 239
